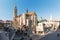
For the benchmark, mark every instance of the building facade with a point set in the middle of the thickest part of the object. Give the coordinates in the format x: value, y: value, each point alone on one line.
x: 28, y: 19
x: 8, y: 23
x: 1, y: 24
x: 47, y: 27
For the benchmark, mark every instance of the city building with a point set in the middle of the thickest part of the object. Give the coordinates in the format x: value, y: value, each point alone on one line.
x: 8, y: 23
x: 46, y: 27
x: 1, y: 24
x: 28, y: 19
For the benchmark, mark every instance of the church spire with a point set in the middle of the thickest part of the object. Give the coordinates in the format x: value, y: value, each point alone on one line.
x: 15, y: 11
x: 27, y: 11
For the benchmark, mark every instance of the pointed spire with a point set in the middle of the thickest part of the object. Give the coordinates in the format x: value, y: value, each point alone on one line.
x: 15, y: 10
x: 27, y: 11
x: 15, y: 6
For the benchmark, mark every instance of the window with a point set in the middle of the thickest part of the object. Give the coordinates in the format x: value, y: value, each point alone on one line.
x: 40, y: 32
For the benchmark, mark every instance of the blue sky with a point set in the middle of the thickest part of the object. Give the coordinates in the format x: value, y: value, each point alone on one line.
x: 43, y: 8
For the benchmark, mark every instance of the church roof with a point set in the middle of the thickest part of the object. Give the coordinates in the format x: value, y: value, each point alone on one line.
x: 31, y: 13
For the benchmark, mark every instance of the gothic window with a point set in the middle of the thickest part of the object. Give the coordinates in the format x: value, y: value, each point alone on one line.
x: 40, y: 31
